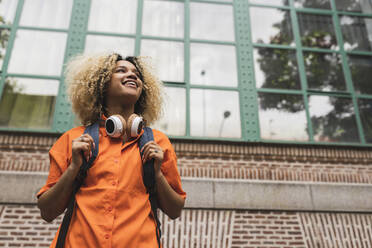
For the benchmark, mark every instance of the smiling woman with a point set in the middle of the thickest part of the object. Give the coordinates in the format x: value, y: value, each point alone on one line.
x: 89, y: 76
x: 113, y: 199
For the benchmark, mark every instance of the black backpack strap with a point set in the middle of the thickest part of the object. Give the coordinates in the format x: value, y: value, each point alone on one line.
x: 92, y: 130
x: 149, y: 180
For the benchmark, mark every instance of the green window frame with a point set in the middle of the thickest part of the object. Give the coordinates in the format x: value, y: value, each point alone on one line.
x: 77, y: 32
x: 305, y: 91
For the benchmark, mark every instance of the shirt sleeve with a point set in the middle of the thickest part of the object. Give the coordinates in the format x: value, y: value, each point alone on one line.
x: 169, y: 165
x: 59, y: 156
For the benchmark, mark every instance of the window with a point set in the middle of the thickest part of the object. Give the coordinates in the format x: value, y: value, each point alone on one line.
x: 33, y: 41
x: 245, y: 70
x: 311, y: 67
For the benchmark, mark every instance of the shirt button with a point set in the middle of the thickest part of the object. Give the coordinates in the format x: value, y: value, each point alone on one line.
x: 109, y: 209
x: 116, y: 161
x: 107, y: 236
x: 113, y: 183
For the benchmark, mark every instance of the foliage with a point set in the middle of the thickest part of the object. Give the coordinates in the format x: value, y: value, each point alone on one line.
x: 323, y: 72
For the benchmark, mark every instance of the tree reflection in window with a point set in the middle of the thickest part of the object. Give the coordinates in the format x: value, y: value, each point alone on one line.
x: 4, y: 37
x: 319, y: 4
x: 357, y: 33
x: 365, y: 110
x: 276, y: 68
x: 275, y: 28
x: 361, y: 73
x: 270, y: 2
x: 364, y: 6
x: 317, y: 31
x: 282, y: 117
x: 28, y: 103
x: 333, y: 119
x: 324, y: 71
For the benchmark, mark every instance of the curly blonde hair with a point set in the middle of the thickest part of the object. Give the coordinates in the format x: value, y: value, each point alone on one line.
x: 88, y: 77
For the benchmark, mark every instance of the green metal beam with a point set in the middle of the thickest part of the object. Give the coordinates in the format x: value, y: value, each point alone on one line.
x: 63, y: 117
x: 247, y: 86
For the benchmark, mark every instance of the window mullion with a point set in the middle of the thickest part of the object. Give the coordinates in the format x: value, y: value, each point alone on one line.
x: 137, y: 49
x: 346, y: 69
x: 10, y: 44
x: 301, y: 67
x: 187, y: 62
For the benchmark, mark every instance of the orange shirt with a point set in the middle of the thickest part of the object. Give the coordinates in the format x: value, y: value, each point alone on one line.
x: 112, y: 206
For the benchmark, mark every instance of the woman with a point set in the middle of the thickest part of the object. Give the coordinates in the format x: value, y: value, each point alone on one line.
x: 112, y: 207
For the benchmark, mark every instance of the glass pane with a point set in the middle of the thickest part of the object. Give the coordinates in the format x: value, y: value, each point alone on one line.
x: 28, y: 103
x: 163, y: 18
x: 270, y: 2
x: 100, y: 43
x: 7, y: 11
x: 115, y: 16
x: 365, y: 110
x: 324, y: 71
x: 317, y: 31
x: 276, y: 111
x: 364, y: 6
x: 333, y: 119
x: 173, y: 121
x: 46, y: 13
x: 214, y: 113
x: 276, y: 68
x: 213, y: 65
x: 4, y: 37
x: 361, y: 73
x: 42, y: 56
x: 275, y: 28
x: 357, y: 33
x: 219, y: 0
x: 211, y: 22
x: 319, y: 4
x: 168, y: 58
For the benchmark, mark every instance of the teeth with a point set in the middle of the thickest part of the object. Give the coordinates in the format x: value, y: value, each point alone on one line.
x: 130, y: 83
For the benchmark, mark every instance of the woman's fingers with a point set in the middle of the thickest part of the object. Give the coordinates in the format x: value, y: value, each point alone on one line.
x: 151, y: 150
x: 82, y: 145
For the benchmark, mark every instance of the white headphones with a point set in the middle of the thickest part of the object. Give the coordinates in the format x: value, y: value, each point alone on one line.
x: 116, y: 126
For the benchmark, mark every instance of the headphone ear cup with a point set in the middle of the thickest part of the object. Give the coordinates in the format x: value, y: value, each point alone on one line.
x: 115, y: 126
x: 135, y: 125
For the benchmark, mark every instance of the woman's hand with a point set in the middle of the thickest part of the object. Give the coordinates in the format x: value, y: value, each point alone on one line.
x: 151, y: 150
x: 169, y: 200
x: 81, y: 146
x: 54, y: 201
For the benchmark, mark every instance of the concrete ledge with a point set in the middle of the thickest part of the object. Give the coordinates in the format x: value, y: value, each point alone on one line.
x: 277, y: 195
x: 21, y: 188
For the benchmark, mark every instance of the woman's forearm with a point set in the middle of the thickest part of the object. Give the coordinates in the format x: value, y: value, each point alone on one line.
x: 54, y: 201
x: 170, y: 201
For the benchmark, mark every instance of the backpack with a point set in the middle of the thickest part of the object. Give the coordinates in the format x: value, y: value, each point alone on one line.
x: 148, y: 180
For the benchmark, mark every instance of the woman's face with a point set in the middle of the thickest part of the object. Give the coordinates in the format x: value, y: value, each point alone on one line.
x: 125, y: 86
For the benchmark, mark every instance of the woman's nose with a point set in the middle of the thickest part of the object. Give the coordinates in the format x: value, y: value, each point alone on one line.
x: 132, y: 75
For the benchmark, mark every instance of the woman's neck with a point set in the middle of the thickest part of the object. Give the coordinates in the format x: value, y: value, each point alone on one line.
x: 124, y: 112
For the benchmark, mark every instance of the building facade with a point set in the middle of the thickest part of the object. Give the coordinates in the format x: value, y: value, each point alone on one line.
x: 267, y: 105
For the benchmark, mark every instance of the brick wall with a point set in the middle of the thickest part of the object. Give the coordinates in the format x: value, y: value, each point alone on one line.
x: 21, y: 225
x: 219, y: 160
